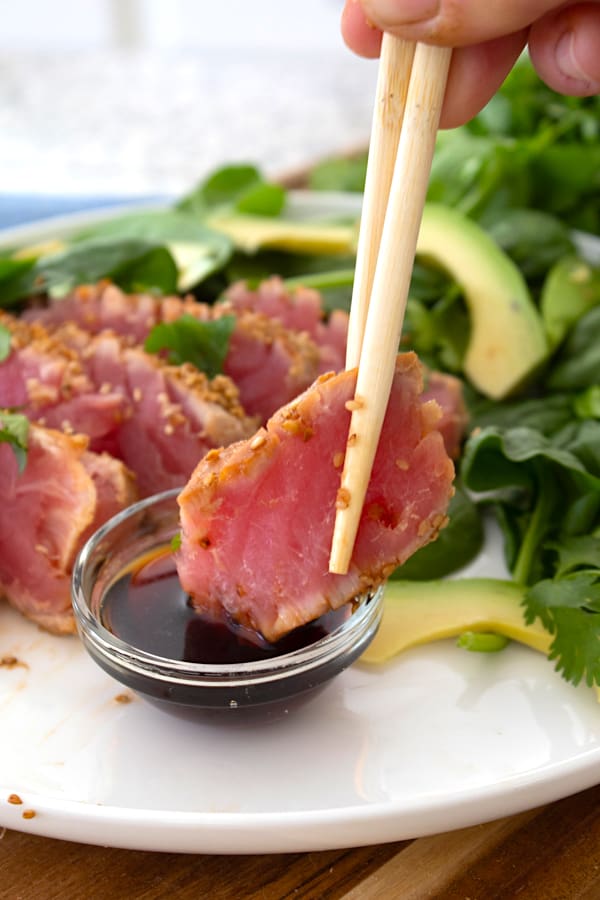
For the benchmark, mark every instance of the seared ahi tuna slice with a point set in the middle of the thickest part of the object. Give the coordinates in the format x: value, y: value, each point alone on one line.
x: 257, y: 517
x: 44, y: 378
x: 116, y: 487
x: 447, y: 392
x: 299, y: 311
x: 269, y: 363
x: 104, y: 307
x: 45, y: 515
x: 174, y: 414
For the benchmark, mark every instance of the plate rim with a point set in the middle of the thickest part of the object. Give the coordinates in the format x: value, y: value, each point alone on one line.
x: 300, y: 830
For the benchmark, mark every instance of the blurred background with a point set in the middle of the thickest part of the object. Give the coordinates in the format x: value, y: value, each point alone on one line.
x: 137, y: 98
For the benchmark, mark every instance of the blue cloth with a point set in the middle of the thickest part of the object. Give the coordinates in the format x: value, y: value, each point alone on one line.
x: 17, y: 209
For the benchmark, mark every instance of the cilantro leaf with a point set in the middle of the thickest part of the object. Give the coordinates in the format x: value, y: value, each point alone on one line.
x: 204, y: 344
x: 14, y: 430
x: 576, y: 552
x: 569, y: 608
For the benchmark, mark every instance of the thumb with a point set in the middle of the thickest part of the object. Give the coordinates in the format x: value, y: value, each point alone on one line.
x: 455, y: 23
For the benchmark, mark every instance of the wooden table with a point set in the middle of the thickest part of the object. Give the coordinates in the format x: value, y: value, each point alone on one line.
x: 551, y: 853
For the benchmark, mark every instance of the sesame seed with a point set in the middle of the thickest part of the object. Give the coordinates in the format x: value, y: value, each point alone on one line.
x: 137, y: 394
x: 342, y: 500
x: 9, y: 662
x: 28, y: 814
x: 258, y: 440
x: 338, y: 459
x: 353, y: 405
x: 402, y: 464
x: 14, y: 799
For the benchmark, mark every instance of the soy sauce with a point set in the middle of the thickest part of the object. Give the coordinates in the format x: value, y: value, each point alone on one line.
x: 148, y: 609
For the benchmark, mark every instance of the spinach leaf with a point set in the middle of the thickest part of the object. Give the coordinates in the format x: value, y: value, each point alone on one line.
x: 571, y: 288
x: 187, y: 339
x: 339, y: 174
x: 133, y: 264
x: 582, y: 516
x: 198, y: 251
x: 478, y: 175
x: 439, y: 333
x: 16, y: 280
x: 547, y: 414
x: 261, y: 199
x: 495, y: 459
x: 240, y: 187
x: 586, y: 405
x: 457, y: 544
x: 534, y: 482
x: 578, y: 364
x: 535, y: 240
x: 162, y: 226
x: 14, y: 430
x: 582, y: 439
x: 566, y: 181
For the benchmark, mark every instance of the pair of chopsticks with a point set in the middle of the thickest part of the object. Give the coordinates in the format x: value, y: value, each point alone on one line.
x: 410, y: 90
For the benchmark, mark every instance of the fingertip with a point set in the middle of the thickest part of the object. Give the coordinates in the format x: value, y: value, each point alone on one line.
x: 358, y: 34
x: 565, y: 49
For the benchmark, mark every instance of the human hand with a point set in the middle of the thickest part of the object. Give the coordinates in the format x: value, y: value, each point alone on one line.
x: 563, y: 40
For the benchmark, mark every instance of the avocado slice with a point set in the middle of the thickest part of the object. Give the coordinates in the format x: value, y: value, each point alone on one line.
x: 417, y: 612
x: 507, y: 341
x: 251, y: 233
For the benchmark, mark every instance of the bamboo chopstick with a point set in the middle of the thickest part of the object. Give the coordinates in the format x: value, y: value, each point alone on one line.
x: 390, y: 100
x: 384, y: 317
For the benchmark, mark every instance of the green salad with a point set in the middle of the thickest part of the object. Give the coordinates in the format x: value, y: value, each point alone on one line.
x: 505, y: 294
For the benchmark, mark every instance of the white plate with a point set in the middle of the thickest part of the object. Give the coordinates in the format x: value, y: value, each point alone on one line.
x: 438, y: 739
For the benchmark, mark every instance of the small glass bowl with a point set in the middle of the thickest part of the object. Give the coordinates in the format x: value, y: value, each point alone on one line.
x: 149, y: 526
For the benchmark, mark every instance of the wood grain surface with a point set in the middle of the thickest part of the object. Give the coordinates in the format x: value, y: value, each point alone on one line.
x: 551, y: 853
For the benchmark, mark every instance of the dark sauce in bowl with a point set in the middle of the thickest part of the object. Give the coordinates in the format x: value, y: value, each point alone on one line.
x: 138, y: 625
x: 147, y: 608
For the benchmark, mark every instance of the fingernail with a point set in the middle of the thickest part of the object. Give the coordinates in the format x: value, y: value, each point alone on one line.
x: 567, y: 62
x: 404, y: 12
